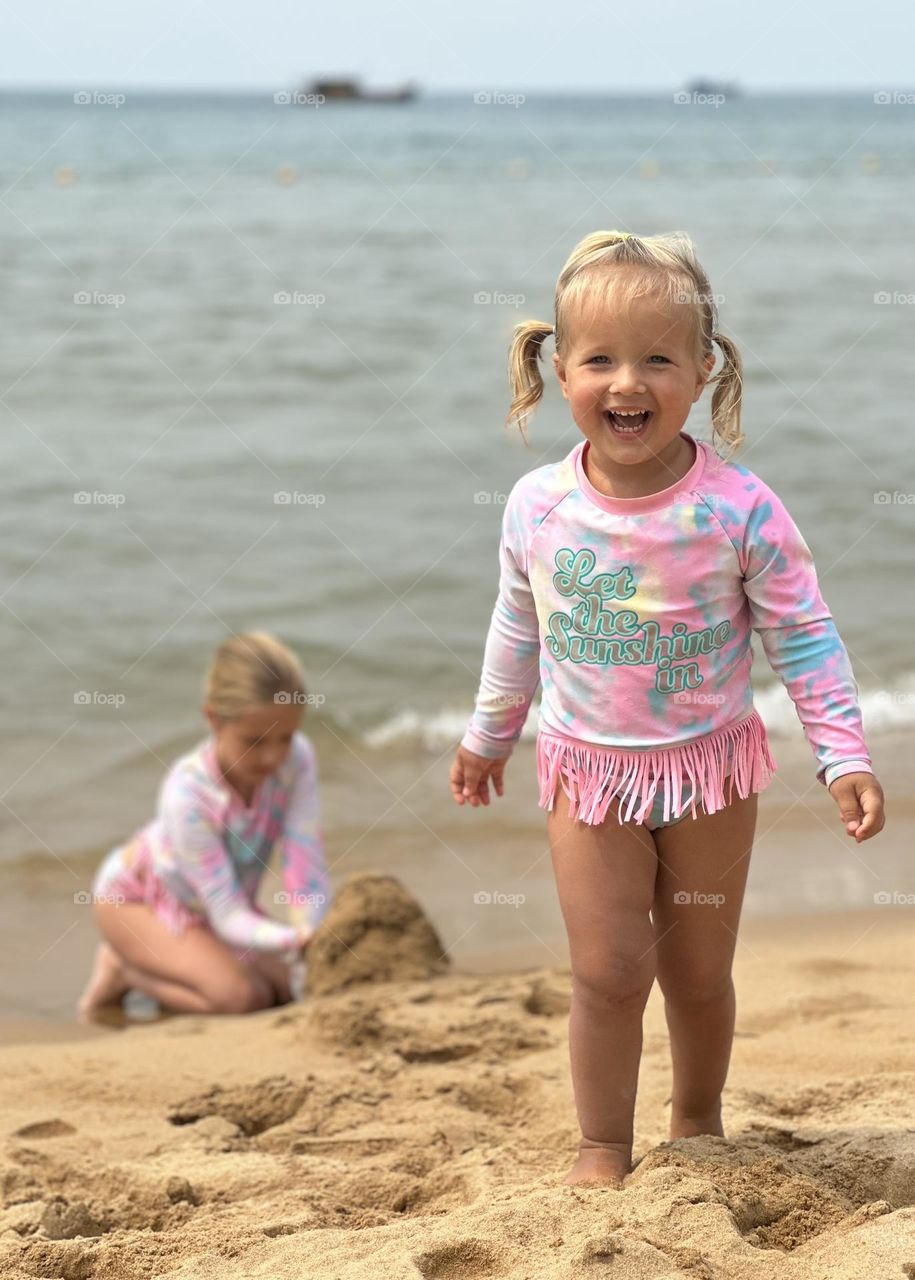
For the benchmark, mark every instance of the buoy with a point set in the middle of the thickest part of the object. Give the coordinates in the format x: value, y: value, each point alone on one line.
x: 518, y: 169
x: 287, y: 174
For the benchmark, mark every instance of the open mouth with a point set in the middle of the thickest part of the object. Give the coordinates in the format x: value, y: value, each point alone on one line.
x: 629, y: 424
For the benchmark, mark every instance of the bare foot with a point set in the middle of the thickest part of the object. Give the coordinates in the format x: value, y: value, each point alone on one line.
x: 684, y: 1126
x: 604, y: 1164
x: 107, y: 984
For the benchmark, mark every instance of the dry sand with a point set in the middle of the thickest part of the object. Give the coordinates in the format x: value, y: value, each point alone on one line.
x: 421, y: 1126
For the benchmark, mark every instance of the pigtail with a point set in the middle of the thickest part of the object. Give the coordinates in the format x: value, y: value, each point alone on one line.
x: 728, y: 395
x: 524, y: 375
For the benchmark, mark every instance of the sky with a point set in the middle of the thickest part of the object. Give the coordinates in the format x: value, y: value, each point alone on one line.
x: 506, y: 45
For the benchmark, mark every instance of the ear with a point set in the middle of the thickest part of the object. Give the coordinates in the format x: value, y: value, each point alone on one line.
x: 703, y: 376
x: 212, y: 718
x: 561, y: 374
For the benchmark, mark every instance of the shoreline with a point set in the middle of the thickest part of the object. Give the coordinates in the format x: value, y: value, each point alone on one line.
x: 491, y: 963
x: 447, y: 857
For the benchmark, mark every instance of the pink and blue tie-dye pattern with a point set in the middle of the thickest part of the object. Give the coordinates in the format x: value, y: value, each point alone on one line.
x: 635, y: 616
x: 202, y: 857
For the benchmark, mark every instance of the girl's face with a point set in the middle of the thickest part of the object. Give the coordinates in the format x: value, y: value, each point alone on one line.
x: 254, y: 746
x: 642, y: 361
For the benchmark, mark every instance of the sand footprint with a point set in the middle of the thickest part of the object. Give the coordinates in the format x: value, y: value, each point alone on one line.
x: 253, y: 1108
x: 459, y: 1261
x: 45, y: 1129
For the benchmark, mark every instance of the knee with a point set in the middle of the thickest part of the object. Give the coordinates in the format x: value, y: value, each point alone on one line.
x: 618, y: 979
x: 243, y: 996
x: 693, y: 989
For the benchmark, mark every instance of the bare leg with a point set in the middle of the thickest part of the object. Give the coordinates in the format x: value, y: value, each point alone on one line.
x: 193, y: 973
x: 273, y: 969
x: 107, y: 983
x: 707, y: 859
x: 606, y: 880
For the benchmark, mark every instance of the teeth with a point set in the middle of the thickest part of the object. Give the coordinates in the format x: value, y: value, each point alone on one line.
x: 628, y: 413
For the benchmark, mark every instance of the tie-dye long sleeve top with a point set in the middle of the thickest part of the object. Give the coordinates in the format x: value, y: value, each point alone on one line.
x: 635, y: 616
x: 205, y: 851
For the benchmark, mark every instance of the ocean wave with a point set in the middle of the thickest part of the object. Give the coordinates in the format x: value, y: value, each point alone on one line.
x: 881, y: 709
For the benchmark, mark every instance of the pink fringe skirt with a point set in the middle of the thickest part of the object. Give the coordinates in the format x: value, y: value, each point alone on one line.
x: 591, y: 775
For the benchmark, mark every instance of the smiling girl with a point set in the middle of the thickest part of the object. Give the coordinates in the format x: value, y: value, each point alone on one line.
x: 633, y: 574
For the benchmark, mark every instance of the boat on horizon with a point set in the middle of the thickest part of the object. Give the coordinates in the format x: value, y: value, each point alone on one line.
x: 351, y: 91
x: 711, y: 88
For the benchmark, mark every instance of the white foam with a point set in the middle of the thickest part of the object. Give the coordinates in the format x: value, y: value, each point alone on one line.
x: 880, y: 708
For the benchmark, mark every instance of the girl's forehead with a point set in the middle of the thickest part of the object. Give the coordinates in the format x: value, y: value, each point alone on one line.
x: 279, y: 717
x: 637, y: 320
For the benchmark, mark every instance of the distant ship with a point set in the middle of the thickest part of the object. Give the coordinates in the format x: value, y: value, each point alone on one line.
x: 713, y: 87
x: 351, y: 91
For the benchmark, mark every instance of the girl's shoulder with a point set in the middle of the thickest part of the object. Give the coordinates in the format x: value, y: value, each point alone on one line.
x: 732, y: 483
x: 747, y: 509
x: 537, y: 492
x: 302, y: 757
x: 193, y: 778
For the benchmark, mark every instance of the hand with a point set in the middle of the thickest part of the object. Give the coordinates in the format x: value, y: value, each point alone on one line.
x: 470, y: 775
x: 860, y: 800
x: 303, y: 938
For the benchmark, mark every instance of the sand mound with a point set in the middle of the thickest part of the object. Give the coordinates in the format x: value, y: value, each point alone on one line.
x: 374, y: 931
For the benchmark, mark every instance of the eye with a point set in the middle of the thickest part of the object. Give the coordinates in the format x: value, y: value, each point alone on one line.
x: 664, y: 358
x: 593, y: 358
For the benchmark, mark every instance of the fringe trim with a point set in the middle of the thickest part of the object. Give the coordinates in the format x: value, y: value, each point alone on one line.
x: 592, y: 775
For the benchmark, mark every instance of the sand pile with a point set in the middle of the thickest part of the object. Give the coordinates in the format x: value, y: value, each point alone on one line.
x: 374, y: 931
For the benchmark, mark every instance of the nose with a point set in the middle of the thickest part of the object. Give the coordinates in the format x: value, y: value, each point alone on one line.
x: 626, y: 379
x: 271, y: 760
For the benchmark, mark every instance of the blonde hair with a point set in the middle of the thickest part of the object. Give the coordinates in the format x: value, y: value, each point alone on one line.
x: 669, y: 270
x: 248, y: 671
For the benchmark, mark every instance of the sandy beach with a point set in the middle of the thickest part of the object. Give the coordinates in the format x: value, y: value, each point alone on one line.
x: 421, y: 1127
x: 257, y: 378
